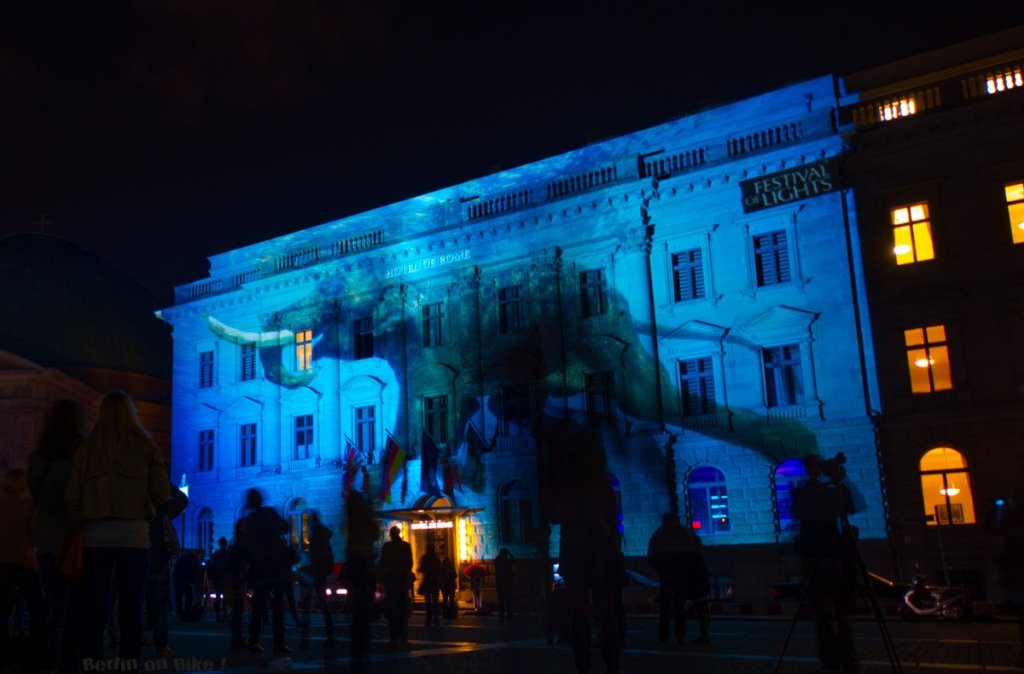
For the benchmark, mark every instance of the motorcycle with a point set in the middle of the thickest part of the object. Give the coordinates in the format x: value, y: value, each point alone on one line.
x: 928, y: 601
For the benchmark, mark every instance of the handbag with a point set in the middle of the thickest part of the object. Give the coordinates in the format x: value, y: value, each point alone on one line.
x: 69, y: 556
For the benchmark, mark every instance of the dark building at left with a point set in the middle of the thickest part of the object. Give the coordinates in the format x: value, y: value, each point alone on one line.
x: 73, y: 326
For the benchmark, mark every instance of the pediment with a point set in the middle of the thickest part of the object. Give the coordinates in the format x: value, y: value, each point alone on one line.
x: 696, y: 331
x: 245, y: 405
x: 301, y: 393
x: 779, y: 322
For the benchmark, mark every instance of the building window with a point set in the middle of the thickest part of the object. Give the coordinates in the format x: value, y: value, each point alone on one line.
x: 204, y: 531
x: 362, y: 338
x: 298, y: 525
x: 205, y: 461
x: 248, y: 362
x: 771, y: 259
x: 366, y: 430
x: 912, y: 234
x: 592, y: 293
x: 432, y: 318
x: 599, y: 388
x: 509, y: 310
x: 206, y: 369
x: 783, y: 377
x: 696, y: 387
x: 247, y: 444
x: 928, y: 359
x: 516, y: 418
x: 709, y: 501
x: 303, y: 349
x: 687, y: 275
x: 788, y: 476
x: 516, y: 512
x: 303, y: 436
x: 435, y: 418
x: 946, y: 487
x: 1010, y: 78
x: 897, y: 108
x: 1015, y: 209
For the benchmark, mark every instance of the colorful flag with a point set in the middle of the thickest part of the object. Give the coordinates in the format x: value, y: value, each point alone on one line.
x: 394, y: 459
x: 451, y: 475
x: 428, y: 465
x: 353, y: 462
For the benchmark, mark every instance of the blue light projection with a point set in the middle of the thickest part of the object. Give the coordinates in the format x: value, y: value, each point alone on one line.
x: 507, y: 306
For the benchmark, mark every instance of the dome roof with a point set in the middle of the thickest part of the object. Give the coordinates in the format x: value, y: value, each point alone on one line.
x: 63, y: 306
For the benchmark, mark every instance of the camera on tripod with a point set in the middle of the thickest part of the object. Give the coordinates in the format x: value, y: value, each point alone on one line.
x: 834, y: 469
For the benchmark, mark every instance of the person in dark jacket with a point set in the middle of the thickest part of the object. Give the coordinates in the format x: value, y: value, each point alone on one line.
x: 187, y: 573
x: 321, y: 565
x: 664, y: 552
x: 164, y: 545
x: 696, y: 583
x: 48, y: 469
x: 449, y: 579
x: 217, y: 573
x: 504, y: 580
x: 269, y: 569
x: 18, y: 565
x: 396, y: 573
x: 430, y: 585
x: 363, y: 532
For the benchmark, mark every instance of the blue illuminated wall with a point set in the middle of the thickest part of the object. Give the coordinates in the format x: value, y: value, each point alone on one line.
x: 690, y: 289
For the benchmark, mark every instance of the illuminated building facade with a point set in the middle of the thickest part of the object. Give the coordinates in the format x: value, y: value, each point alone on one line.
x: 693, y: 290
x: 936, y: 162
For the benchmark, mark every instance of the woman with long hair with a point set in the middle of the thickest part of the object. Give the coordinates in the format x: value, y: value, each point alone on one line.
x: 117, y: 480
x: 49, y: 467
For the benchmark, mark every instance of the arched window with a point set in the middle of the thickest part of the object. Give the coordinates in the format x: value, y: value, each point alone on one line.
x: 516, y: 511
x: 789, y: 475
x: 298, y: 524
x: 946, y: 487
x: 617, y: 491
x: 204, y: 532
x: 709, y: 501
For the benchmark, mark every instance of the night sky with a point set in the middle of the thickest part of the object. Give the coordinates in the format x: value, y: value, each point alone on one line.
x: 156, y: 133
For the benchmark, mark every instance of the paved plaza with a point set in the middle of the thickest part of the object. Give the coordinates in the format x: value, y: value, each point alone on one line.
x: 481, y: 644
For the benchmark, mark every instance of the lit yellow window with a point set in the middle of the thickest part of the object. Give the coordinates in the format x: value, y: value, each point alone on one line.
x: 1011, y: 78
x: 896, y: 108
x: 946, y: 487
x: 912, y: 234
x: 303, y: 349
x: 1015, y: 208
x: 928, y: 359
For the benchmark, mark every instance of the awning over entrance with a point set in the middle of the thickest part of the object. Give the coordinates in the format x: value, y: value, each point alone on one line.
x: 425, y: 514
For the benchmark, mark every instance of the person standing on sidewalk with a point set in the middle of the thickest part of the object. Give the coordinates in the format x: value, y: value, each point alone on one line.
x: 363, y: 532
x: 665, y: 554
x: 321, y: 564
x: 430, y: 585
x: 396, y: 573
x: 504, y: 579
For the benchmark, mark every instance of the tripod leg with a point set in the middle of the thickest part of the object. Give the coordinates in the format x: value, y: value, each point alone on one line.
x: 804, y: 592
x: 876, y: 609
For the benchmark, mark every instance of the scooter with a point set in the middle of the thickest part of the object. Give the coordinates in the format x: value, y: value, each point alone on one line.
x: 926, y: 601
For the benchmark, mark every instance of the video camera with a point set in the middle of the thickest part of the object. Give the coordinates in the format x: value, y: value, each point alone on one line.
x: 834, y: 469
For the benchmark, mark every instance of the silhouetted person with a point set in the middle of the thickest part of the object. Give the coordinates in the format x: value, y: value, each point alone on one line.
x: 187, y: 572
x: 235, y: 585
x: 696, y: 584
x: 430, y: 585
x: 321, y: 565
x: 116, y: 478
x: 217, y: 573
x: 363, y: 532
x: 449, y: 579
x: 396, y: 574
x: 49, y: 468
x: 665, y: 553
x: 163, y: 546
x: 269, y: 569
x: 590, y: 559
x: 821, y: 505
x: 18, y: 567
x: 504, y: 579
